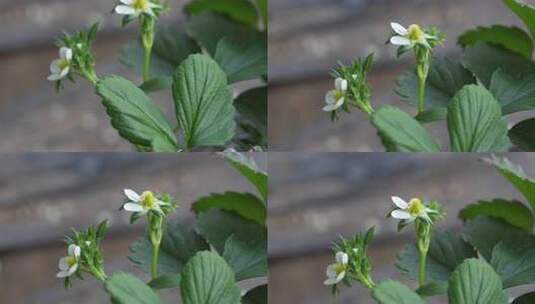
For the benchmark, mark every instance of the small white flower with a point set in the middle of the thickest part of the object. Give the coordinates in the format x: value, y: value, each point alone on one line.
x: 409, y: 37
x: 410, y: 211
x: 142, y: 203
x: 136, y: 7
x: 69, y: 264
x: 336, y: 98
x: 337, y: 271
x: 60, y: 68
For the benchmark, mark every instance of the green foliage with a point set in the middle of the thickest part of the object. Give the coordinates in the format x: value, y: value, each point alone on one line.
x: 475, y: 122
x: 203, y: 102
x: 522, y: 135
x: 127, y: 289
x: 512, y: 212
x: 512, y: 38
x: 246, y: 205
x: 432, y: 289
x: 239, y: 10
x: 527, y: 298
x: 446, y: 252
x: 248, y: 258
x: 137, y: 119
x: 249, y: 169
x: 252, y: 108
x: 242, y: 60
x: 393, y: 292
x: 402, y: 132
x: 446, y: 78
x: 208, y: 279
x: 514, y: 261
x: 475, y: 282
x: 515, y: 94
x: 257, y: 295
x: 525, y: 12
x: 165, y: 281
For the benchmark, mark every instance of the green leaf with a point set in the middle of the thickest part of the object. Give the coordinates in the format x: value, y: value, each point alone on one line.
x: 514, y: 261
x: 207, y: 279
x: 515, y: 94
x: 475, y: 282
x: 446, y: 77
x: 512, y: 38
x: 431, y: 115
x: 257, y: 295
x: 446, y: 252
x: 208, y: 29
x: 157, y: 84
x: 393, y: 292
x: 263, y: 10
x: 247, y: 258
x: 512, y: 212
x: 179, y: 244
x: 525, y: 12
x: 252, y: 107
x: 475, y: 122
x: 517, y: 177
x: 432, y: 289
x: 523, y: 135
x: 239, y: 10
x: 249, y: 169
x: 127, y: 289
x: 245, y: 204
x: 484, y: 233
x: 402, y: 131
x: 171, y: 47
x: 137, y: 119
x: 242, y: 60
x: 484, y: 59
x: 528, y: 298
x: 217, y: 226
x: 165, y: 281
x: 203, y: 102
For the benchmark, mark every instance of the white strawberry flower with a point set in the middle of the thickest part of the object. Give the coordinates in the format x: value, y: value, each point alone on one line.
x: 411, y: 210
x: 60, y: 68
x: 143, y: 203
x: 336, y: 98
x: 409, y: 37
x: 336, y: 272
x: 136, y: 7
x: 69, y: 264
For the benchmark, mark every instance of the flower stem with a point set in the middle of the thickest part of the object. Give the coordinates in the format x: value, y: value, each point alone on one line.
x: 421, y: 274
x: 421, y: 94
x: 146, y: 63
x: 147, y: 39
x: 154, y: 266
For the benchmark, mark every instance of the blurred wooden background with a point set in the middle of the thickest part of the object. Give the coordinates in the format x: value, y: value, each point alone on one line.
x: 308, y: 37
x: 314, y: 197
x: 43, y: 195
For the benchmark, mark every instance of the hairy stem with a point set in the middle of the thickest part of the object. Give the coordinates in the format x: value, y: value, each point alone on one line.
x: 154, y: 266
x: 421, y: 94
x: 421, y: 274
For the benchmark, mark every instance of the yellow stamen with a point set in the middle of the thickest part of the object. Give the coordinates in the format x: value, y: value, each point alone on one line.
x: 416, y: 34
x: 338, y: 94
x: 148, y: 200
x: 339, y: 268
x: 71, y: 261
x: 63, y: 64
x: 416, y: 207
x: 141, y: 5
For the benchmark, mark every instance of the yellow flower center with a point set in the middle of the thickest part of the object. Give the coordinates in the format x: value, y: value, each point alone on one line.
x: 339, y: 268
x: 141, y: 5
x: 339, y: 94
x: 416, y: 34
x: 148, y: 200
x: 416, y: 207
x: 63, y: 64
x: 71, y: 261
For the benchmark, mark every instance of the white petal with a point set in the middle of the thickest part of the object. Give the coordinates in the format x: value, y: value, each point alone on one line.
x: 63, y: 265
x: 399, y: 29
x: 330, y: 281
x: 333, y: 106
x: 331, y: 272
x: 127, y: 2
x: 63, y: 274
x: 77, y: 252
x: 73, y: 269
x: 54, y: 66
x: 125, y: 10
x: 399, y: 202
x: 132, y: 195
x: 400, y: 215
x: 54, y: 77
x: 64, y: 72
x: 71, y: 249
x: 342, y: 258
x: 340, y: 276
x: 330, y: 97
x: 65, y: 53
x: 133, y: 207
x: 398, y: 40
x: 340, y: 84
